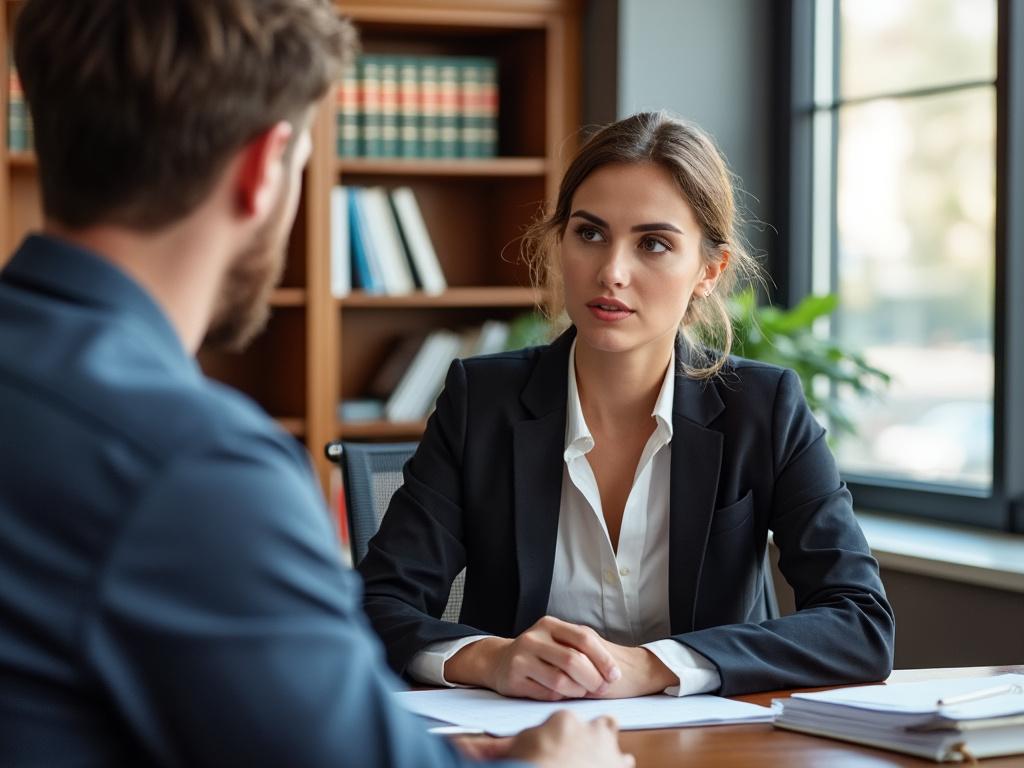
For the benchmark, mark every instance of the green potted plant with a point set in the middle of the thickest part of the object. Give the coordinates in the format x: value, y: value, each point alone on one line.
x: 786, y: 337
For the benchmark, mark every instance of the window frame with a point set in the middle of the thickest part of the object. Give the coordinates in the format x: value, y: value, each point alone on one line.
x: 1002, y: 508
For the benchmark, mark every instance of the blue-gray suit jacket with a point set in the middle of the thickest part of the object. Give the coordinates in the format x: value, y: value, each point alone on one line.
x: 483, y: 492
x: 170, y: 587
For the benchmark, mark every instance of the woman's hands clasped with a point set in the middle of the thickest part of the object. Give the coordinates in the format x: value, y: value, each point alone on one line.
x: 555, y: 660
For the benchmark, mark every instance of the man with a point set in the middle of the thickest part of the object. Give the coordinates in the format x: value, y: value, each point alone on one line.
x: 171, y: 593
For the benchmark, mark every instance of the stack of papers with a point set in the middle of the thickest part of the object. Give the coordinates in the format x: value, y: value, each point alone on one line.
x: 493, y: 713
x: 942, y: 720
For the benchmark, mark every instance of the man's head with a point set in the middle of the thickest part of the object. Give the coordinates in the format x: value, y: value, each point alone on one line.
x: 141, y: 107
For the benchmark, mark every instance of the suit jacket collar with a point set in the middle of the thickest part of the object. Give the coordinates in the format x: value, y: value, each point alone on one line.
x: 695, y: 399
x: 538, y: 445
x: 696, y: 463
x: 545, y: 390
x: 56, y: 267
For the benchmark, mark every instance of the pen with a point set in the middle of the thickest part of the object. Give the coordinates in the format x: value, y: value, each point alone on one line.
x: 984, y: 693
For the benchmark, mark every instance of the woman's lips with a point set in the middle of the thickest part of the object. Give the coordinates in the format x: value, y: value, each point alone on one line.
x: 609, y: 310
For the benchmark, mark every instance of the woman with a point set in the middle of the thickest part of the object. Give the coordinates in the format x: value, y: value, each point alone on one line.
x: 610, y: 495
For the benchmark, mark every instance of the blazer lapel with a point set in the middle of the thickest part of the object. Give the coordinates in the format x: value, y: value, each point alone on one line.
x: 538, y: 445
x: 696, y: 461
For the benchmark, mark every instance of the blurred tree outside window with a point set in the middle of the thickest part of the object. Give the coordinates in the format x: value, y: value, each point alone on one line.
x: 904, y: 228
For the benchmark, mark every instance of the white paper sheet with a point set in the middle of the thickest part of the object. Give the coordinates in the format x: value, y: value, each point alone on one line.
x: 501, y: 716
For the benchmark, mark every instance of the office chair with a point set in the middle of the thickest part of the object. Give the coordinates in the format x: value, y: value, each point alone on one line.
x: 371, y: 473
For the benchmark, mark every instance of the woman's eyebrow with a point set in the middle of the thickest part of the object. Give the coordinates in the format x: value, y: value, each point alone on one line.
x: 657, y: 226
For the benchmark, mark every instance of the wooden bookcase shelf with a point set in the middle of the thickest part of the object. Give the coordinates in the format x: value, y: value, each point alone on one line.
x: 482, y: 297
x: 288, y: 297
x: 25, y: 160
x: 494, y: 168
x: 381, y: 430
x: 316, y: 348
x: 296, y: 427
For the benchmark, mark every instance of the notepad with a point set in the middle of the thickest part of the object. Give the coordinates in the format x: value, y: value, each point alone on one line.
x: 501, y: 716
x: 906, y: 717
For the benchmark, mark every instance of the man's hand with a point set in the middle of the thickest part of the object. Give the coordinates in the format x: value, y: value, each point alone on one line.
x: 565, y: 742
x: 483, y: 748
x: 550, y: 661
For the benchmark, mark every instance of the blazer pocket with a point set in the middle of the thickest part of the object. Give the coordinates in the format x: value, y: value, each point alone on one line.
x: 733, y: 516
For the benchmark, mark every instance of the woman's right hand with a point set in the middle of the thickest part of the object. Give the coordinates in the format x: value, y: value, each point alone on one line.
x: 550, y: 661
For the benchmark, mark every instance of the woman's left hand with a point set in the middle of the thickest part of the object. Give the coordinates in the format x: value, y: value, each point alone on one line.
x: 643, y: 673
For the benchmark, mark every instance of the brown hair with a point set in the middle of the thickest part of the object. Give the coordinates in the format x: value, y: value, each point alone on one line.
x: 139, y: 105
x: 699, y: 169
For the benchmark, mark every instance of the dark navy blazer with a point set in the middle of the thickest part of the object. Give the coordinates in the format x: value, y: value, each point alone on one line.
x: 484, y: 487
x: 170, y: 587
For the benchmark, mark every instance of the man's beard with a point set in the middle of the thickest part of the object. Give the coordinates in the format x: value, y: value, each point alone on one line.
x: 243, y: 307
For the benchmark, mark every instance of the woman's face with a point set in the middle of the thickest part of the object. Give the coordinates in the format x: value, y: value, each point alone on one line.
x: 631, y: 258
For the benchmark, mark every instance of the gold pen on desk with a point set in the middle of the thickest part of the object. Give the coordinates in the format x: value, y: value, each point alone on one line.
x: 984, y: 693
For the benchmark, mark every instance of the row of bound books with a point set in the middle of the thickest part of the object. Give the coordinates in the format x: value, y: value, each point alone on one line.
x: 19, y: 121
x: 406, y: 386
x: 380, y: 243
x: 419, y: 107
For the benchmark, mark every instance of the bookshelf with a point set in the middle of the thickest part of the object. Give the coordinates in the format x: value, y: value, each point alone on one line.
x: 475, y: 209
x: 318, y: 348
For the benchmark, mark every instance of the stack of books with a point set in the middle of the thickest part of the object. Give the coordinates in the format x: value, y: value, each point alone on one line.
x: 407, y: 385
x: 380, y: 243
x: 942, y: 720
x: 419, y: 107
x: 19, y: 121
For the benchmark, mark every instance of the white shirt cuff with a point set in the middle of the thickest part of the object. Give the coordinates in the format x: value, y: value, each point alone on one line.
x: 427, y: 666
x: 695, y: 672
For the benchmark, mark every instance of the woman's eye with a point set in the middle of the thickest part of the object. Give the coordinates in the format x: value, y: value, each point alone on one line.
x: 590, y: 235
x: 653, y: 245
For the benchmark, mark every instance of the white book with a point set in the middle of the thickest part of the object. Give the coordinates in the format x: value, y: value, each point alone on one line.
x: 433, y: 381
x: 341, y: 258
x: 416, y: 392
x: 493, y: 338
x: 421, y: 248
x: 387, y: 242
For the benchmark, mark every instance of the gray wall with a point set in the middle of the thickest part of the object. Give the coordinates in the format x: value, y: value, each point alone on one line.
x: 942, y: 623
x: 710, y: 61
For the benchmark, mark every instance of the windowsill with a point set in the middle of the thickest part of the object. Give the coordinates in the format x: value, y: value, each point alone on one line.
x: 958, y: 553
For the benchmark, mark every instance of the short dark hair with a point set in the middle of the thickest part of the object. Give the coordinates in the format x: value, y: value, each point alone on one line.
x: 138, y: 104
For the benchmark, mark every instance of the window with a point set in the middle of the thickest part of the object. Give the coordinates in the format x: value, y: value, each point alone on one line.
x: 904, y: 159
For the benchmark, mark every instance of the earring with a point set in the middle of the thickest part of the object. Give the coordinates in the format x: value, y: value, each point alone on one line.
x: 708, y: 292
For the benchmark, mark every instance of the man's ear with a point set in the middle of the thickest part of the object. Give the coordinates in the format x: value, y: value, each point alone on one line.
x: 261, y: 171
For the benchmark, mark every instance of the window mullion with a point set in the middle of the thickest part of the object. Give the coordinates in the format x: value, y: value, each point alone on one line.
x: 1009, y: 275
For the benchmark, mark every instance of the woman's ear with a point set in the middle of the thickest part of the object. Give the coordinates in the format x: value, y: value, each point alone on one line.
x: 712, y: 272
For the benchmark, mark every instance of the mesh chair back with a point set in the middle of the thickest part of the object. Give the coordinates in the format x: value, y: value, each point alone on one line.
x: 372, y: 473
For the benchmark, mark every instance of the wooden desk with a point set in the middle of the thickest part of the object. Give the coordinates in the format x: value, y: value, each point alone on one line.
x: 751, y: 746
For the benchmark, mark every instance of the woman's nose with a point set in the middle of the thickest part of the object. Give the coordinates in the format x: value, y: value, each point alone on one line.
x: 614, y: 272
